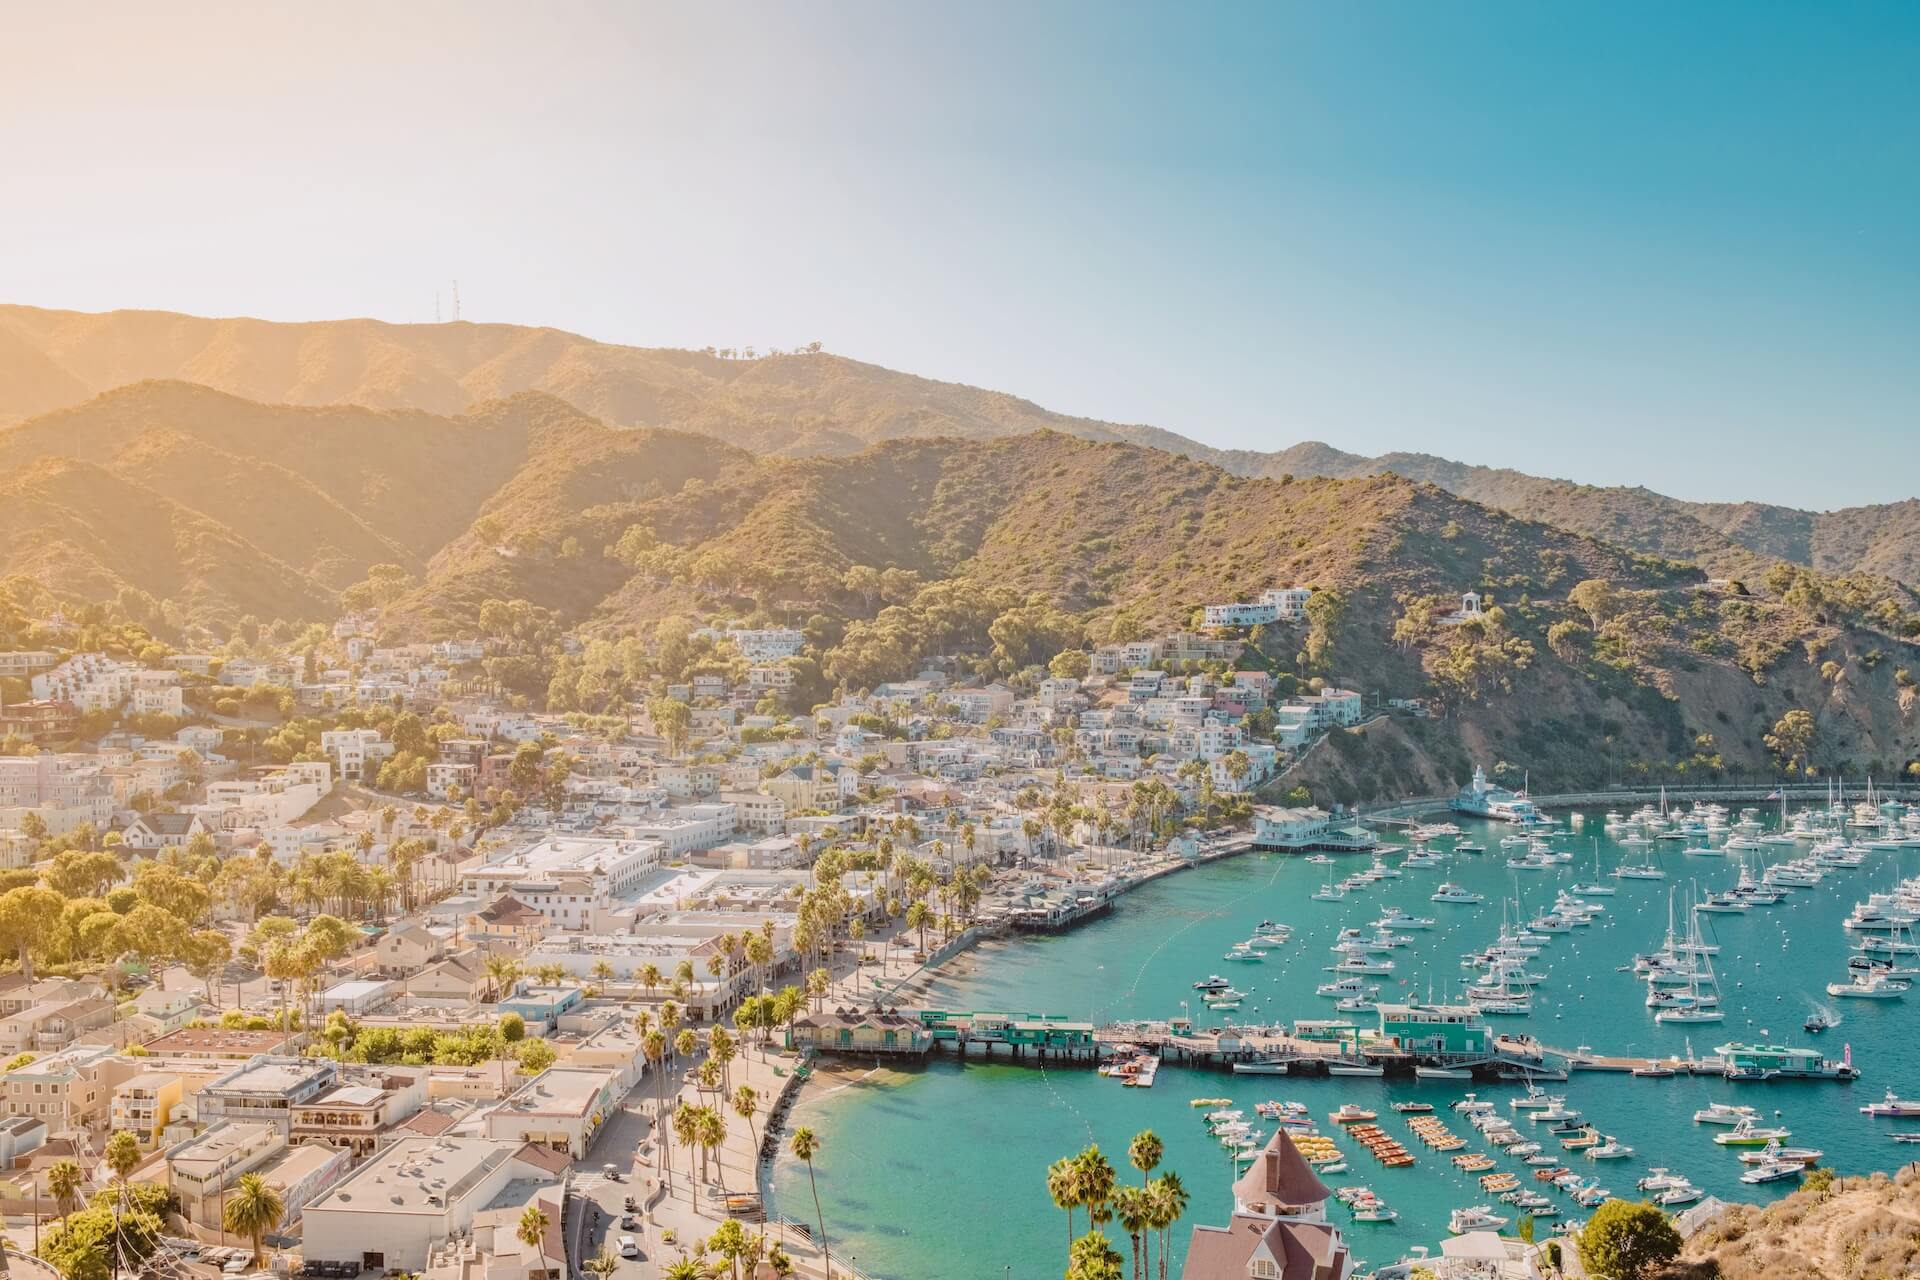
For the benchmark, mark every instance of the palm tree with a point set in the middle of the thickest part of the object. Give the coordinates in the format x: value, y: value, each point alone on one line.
x: 254, y: 1207
x: 502, y: 972
x: 533, y: 1227
x: 602, y: 1264
x: 64, y: 1180
x: 122, y: 1154
x: 805, y: 1144
x: 684, y: 1269
x: 654, y: 1045
x: 746, y: 1104
x: 1144, y: 1152
x: 1133, y: 1207
x: 649, y: 977
x: 1063, y: 1184
x: 713, y: 1139
x: 1093, y: 1259
x: 1170, y: 1205
x: 1096, y: 1188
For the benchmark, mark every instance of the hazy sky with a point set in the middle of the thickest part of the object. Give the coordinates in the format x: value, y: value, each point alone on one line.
x: 1676, y: 245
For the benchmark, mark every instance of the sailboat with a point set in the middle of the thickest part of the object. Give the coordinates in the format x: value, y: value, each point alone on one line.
x: 1702, y: 1001
x: 1595, y: 888
x: 1330, y: 892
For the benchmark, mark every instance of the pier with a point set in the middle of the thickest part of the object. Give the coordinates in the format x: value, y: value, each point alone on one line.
x: 1311, y: 1049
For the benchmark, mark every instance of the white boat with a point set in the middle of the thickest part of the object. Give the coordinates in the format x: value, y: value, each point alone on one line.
x: 1442, y: 1073
x: 1480, y: 1217
x: 1611, y: 1149
x: 1451, y: 892
x: 1723, y: 1113
x: 1891, y: 1105
x: 1873, y: 984
x: 1774, y: 1172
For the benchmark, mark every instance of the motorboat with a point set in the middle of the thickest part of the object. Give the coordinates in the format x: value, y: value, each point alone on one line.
x: 1748, y: 1134
x: 1352, y: 1113
x: 1816, y: 1023
x: 1873, y: 984
x: 1775, y: 1171
x: 1790, y: 1155
x: 1611, y: 1149
x: 1212, y: 982
x: 1451, y: 892
x: 1480, y: 1217
x: 1891, y: 1106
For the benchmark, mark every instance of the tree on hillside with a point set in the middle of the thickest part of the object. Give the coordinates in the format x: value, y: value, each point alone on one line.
x: 1625, y: 1240
x: 1791, y: 740
x: 1597, y: 598
x: 1325, y: 610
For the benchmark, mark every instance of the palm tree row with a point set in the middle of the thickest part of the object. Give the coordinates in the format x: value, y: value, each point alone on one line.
x: 1147, y: 1213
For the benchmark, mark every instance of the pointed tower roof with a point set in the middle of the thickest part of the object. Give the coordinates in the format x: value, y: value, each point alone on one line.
x: 1280, y: 1180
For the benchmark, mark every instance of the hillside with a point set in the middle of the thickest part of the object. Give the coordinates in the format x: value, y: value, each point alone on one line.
x: 820, y: 404
x: 1007, y: 550
x: 226, y: 507
x: 1862, y: 1229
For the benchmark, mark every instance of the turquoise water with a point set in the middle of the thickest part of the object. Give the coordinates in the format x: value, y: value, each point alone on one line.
x: 939, y: 1173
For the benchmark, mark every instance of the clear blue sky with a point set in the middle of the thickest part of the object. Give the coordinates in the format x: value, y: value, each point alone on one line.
x: 1676, y: 245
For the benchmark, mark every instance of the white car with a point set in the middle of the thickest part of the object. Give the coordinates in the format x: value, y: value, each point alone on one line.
x: 628, y: 1247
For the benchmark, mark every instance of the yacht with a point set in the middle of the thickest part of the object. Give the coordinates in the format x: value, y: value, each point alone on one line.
x: 1611, y: 1149
x: 1213, y: 982
x: 1244, y: 951
x: 1536, y: 1099
x: 1723, y: 1113
x: 1873, y: 984
x: 1395, y: 918
x: 1479, y: 1218
x: 1451, y: 892
x: 1682, y: 1193
x: 1638, y: 871
x: 1891, y: 1106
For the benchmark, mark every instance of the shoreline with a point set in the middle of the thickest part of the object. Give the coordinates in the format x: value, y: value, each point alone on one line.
x: 848, y: 1073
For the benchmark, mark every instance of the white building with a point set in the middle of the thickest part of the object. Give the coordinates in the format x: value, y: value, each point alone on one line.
x: 689, y: 827
x: 355, y: 752
x: 617, y: 864
x: 561, y: 1109
x: 420, y: 1192
x: 1241, y: 615
x: 1289, y: 603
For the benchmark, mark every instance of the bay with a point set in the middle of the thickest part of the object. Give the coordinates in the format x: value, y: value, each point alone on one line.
x: 938, y: 1173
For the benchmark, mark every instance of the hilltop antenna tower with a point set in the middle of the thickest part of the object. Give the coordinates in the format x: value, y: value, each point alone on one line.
x: 456, y: 301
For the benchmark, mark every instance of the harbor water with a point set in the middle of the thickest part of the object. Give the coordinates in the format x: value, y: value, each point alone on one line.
x: 938, y: 1172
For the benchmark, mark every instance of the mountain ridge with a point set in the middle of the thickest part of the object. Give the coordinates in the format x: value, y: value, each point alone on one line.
x: 796, y: 404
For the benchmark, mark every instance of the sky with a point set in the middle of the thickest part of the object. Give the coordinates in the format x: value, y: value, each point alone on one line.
x: 1629, y: 243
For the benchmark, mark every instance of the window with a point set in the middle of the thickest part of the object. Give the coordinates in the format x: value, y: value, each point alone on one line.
x: 1263, y: 1269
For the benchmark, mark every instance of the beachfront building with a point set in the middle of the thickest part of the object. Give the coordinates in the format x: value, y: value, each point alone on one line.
x: 1279, y: 1228
x: 1297, y: 830
x: 1440, y: 1030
